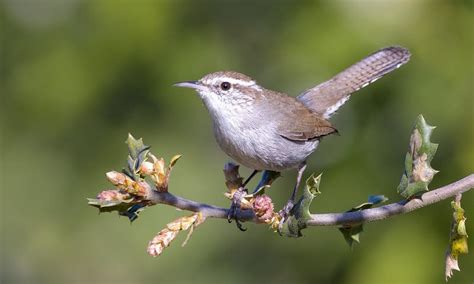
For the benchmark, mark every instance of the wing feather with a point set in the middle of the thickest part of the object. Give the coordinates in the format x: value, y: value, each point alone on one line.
x: 300, y: 123
x: 326, y: 98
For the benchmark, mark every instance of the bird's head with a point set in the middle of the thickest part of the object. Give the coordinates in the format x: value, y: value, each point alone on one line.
x: 226, y: 87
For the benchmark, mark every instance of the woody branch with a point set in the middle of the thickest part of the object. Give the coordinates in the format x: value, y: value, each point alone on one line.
x: 326, y: 219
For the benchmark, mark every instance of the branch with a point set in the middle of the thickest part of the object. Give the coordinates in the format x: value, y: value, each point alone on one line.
x: 326, y: 219
x: 402, y: 207
x: 133, y: 193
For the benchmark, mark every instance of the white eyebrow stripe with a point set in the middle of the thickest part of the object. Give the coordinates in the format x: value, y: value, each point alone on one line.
x: 256, y: 87
x: 232, y: 81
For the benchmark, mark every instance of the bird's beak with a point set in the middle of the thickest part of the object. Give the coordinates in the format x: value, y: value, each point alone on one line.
x: 191, y: 84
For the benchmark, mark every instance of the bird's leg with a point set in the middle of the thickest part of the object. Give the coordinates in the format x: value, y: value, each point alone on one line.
x: 291, y: 202
x: 267, y: 178
x: 236, y: 199
x: 250, y: 177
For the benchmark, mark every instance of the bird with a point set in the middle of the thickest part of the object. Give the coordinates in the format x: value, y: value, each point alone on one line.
x: 266, y: 130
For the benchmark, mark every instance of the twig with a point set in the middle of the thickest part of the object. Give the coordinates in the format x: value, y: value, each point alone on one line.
x: 327, y: 219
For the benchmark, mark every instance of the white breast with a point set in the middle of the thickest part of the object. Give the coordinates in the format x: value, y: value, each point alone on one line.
x: 252, y: 140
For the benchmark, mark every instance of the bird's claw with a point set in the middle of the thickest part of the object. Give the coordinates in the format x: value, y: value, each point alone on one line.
x: 284, y: 214
x: 235, y: 207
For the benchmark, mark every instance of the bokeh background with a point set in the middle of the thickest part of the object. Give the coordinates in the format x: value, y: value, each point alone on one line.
x: 77, y: 76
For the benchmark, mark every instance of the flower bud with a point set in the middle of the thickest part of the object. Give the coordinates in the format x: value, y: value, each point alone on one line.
x: 161, y: 241
x: 116, y: 178
x: 140, y: 188
x: 110, y: 195
x: 263, y: 208
x: 146, y: 168
x: 160, y: 175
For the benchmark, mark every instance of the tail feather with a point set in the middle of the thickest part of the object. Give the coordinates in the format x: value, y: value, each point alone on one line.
x: 326, y: 98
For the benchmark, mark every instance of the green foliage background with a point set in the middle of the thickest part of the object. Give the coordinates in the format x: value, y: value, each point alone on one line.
x: 77, y: 76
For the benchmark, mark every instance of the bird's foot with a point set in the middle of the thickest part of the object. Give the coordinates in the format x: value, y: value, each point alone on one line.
x: 284, y: 214
x: 235, y: 207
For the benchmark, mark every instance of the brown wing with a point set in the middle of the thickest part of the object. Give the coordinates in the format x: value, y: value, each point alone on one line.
x: 326, y: 98
x: 307, y: 130
x: 300, y: 123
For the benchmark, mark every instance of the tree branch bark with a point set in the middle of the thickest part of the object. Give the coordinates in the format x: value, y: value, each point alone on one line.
x: 326, y: 219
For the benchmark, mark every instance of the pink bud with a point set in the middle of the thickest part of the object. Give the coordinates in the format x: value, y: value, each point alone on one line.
x: 147, y: 168
x: 263, y: 208
x: 141, y: 188
x: 110, y: 195
x: 155, y: 249
x: 116, y: 178
x: 161, y: 241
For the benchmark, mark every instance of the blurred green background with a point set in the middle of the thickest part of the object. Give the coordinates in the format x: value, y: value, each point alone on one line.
x: 77, y: 76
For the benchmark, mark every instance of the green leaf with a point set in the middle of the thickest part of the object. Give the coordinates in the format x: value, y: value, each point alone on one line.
x: 300, y: 213
x: 138, y: 153
x: 174, y: 159
x: 457, y: 239
x: 458, y: 233
x: 373, y: 200
x: 351, y: 233
x: 128, y: 207
x: 418, y: 172
x: 312, y: 185
x: 133, y: 212
x: 110, y: 205
x: 135, y: 146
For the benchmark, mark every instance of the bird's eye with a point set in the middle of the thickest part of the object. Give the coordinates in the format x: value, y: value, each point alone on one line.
x: 225, y: 86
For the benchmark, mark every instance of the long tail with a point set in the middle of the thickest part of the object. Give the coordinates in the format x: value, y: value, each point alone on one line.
x: 327, y: 97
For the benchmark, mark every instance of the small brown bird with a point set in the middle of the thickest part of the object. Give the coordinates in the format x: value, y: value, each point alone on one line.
x: 266, y: 130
